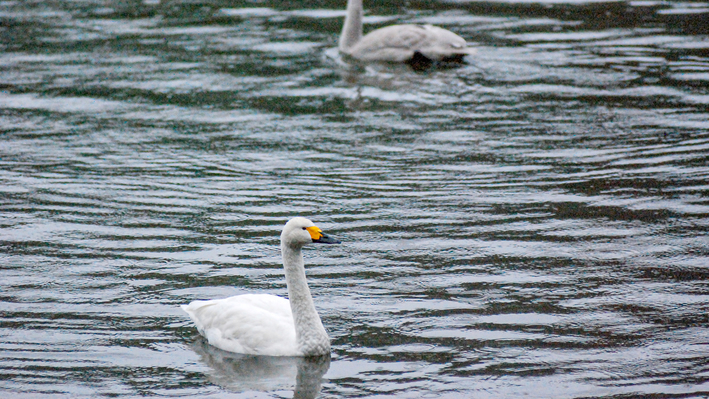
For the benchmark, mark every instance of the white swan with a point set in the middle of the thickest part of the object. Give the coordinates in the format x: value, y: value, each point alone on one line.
x: 260, y: 324
x: 399, y: 43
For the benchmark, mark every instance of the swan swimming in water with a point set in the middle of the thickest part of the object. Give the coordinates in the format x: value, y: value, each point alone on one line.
x: 416, y: 44
x: 260, y: 324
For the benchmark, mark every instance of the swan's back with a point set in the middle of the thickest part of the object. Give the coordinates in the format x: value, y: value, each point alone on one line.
x: 398, y: 43
x: 255, y: 324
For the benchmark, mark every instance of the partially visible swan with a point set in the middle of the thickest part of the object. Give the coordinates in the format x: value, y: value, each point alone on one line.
x: 260, y: 324
x: 399, y: 43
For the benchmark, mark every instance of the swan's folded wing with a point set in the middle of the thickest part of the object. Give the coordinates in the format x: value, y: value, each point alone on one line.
x: 440, y: 43
x: 250, y: 324
x: 397, y: 43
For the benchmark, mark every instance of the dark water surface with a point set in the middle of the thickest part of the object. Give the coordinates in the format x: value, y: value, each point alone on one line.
x: 533, y: 224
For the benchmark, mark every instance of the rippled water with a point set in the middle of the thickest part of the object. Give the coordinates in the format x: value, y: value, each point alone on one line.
x: 531, y: 224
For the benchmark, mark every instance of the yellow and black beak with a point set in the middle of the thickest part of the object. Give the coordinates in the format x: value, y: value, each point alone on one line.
x: 318, y: 236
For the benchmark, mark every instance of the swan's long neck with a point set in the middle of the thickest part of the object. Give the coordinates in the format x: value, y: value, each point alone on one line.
x: 352, y: 29
x: 310, y: 334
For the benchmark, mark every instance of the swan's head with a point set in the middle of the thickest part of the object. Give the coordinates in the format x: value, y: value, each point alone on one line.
x: 300, y: 231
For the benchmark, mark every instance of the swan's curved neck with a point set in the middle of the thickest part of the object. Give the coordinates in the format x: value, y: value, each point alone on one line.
x: 352, y: 29
x: 310, y: 334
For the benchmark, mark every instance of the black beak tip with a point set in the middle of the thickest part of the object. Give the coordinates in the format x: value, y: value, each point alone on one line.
x: 327, y: 240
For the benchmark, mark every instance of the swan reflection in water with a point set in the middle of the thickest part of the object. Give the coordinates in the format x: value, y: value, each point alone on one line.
x: 240, y: 373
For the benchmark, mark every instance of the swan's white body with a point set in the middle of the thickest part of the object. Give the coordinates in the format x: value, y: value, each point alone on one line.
x: 398, y: 43
x: 259, y: 324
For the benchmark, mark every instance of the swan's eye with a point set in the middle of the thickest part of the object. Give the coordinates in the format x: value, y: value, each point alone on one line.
x: 304, y: 228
